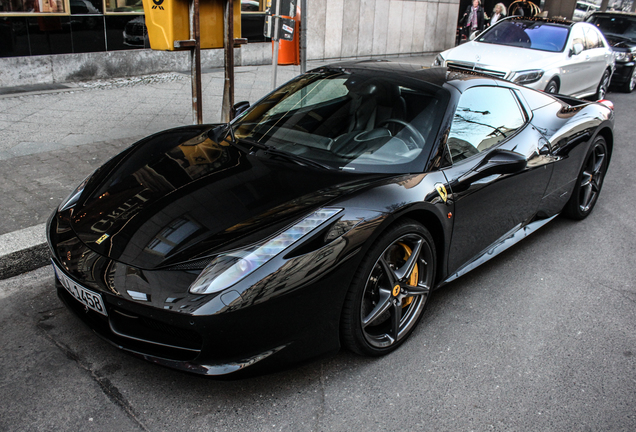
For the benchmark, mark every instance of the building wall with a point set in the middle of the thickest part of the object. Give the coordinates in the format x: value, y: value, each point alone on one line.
x: 336, y: 29
x: 367, y: 28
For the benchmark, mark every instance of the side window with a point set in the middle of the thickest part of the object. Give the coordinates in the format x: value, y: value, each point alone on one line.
x: 484, y: 117
x: 591, y: 39
x: 577, y: 36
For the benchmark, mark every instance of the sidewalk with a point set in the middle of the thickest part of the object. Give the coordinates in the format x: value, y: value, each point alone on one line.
x: 54, y: 136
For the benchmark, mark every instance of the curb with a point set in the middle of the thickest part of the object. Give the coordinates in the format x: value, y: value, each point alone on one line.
x: 22, y: 251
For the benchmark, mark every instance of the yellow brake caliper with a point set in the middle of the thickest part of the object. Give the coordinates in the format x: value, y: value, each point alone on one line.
x: 413, y: 279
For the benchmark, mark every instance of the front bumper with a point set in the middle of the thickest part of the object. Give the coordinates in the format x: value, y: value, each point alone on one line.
x: 622, y: 73
x: 286, y: 318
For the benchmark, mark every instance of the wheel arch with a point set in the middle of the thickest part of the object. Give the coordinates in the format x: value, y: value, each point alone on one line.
x: 607, y: 134
x: 556, y: 78
x: 431, y: 222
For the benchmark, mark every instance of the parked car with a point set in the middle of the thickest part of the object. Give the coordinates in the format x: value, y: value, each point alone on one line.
x: 556, y: 56
x: 619, y: 29
x: 323, y: 215
x: 583, y: 9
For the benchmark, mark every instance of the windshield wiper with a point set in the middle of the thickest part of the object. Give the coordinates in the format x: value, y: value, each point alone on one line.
x: 301, y: 160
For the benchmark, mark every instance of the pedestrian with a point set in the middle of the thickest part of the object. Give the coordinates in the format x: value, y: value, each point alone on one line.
x: 498, y: 13
x: 473, y: 18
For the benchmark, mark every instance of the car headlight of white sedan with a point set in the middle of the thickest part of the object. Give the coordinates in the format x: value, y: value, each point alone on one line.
x: 527, y: 76
x: 439, y: 60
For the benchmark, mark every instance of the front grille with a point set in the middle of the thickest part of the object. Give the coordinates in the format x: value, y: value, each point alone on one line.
x: 129, y: 325
x: 472, y: 67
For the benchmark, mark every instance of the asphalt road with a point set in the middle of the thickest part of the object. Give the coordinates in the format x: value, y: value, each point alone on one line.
x: 541, y: 338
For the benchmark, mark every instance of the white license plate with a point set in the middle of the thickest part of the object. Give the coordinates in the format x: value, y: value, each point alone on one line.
x: 87, y: 297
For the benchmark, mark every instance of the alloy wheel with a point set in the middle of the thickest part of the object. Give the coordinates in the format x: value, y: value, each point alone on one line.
x: 592, y: 178
x: 396, y: 290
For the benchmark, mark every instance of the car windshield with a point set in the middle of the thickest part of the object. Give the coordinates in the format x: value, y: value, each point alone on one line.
x: 362, y: 121
x: 624, y: 26
x: 530, y: 34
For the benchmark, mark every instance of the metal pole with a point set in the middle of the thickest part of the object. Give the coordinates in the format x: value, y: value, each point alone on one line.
x: 303, y: 36
x: 228, y: 42
x: 195, y: 63
x: 276, y: 19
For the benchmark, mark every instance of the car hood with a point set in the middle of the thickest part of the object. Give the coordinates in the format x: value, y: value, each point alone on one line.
x: 621, y: 42
x: 181, y: 195
x: 501, y: 57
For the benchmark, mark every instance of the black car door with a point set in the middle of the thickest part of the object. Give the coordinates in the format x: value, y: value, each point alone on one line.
x: 498, y: 175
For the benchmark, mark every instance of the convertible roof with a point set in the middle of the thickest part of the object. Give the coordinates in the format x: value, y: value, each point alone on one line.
x: 436, y: 75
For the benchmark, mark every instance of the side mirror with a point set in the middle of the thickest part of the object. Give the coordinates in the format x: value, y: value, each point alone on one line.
x: 577, y: 49
x: 239, y: 108
x: 496, y: 162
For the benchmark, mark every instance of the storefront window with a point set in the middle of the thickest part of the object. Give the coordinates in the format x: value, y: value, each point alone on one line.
x: 124, y: 6
x: 33, y: 6
x: 253, y: 5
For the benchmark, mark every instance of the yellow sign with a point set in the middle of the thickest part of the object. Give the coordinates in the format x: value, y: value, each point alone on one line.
x: 101, y: 239
x: 441, y: 190
x: 396, y: 290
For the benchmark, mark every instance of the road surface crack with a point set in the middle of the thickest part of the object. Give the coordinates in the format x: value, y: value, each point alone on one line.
x: 106, y: 386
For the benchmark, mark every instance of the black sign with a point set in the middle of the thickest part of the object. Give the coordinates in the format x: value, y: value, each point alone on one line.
x: 286, y: 28
x: 287, y: 7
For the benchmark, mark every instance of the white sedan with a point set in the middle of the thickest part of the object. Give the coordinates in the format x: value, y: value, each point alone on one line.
x: 556, y: 56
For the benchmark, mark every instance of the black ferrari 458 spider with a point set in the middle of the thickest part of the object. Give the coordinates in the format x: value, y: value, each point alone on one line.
x: 323, y: 215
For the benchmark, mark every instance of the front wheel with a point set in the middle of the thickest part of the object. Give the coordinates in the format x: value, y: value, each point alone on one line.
x: 589, y: 182
x: 630, y: 85
x: 552, y: 87
x: 390, y: 290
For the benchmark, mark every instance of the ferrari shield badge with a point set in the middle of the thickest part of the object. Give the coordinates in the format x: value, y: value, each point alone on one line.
x: 102, y: 238
x: 441, y: 190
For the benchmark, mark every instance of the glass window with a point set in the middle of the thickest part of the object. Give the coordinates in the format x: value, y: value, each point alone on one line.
x: 591, y: 39
x: 360, y: 121
x: 527, y: 34
x: 484, y: 117
x: 253, y: 5
x: 33, y: 6
x: 125, y: 6
x: 620, y: 25
x: 578, y: 36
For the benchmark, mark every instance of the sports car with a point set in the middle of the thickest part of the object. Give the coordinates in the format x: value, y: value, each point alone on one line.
x: 322, y: 216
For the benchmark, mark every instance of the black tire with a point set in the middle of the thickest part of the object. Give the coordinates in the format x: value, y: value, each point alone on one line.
x: 552, y: 87
x: 390, y: 290
x: 630, y: 85
x: 589, y: 182
x: 603, y: 85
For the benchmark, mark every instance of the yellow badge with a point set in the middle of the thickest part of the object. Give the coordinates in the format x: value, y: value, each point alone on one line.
x: 441, y: 190
x: 396, y: 290
x: 102, y: 238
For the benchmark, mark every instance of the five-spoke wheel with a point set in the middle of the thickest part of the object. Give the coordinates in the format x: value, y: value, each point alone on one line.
x: 390, y: 290
x: 589, y: 182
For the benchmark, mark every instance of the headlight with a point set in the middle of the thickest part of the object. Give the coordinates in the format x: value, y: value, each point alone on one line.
x: 70, y: 200
x: 439, y: 60
x: 527, y: 77
x: 622, y: 56
x: 227, y: 269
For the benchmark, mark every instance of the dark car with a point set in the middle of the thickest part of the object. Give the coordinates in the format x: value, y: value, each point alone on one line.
x: 323, y: 215
x: 619, y: 29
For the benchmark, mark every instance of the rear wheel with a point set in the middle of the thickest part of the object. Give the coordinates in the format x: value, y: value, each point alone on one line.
x: 390, y: 290
x: 589, y: 182
x: 552, y: 87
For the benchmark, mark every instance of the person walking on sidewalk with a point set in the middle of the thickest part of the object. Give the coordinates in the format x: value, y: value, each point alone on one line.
x: 498, y: 13
x: 473, y: 18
